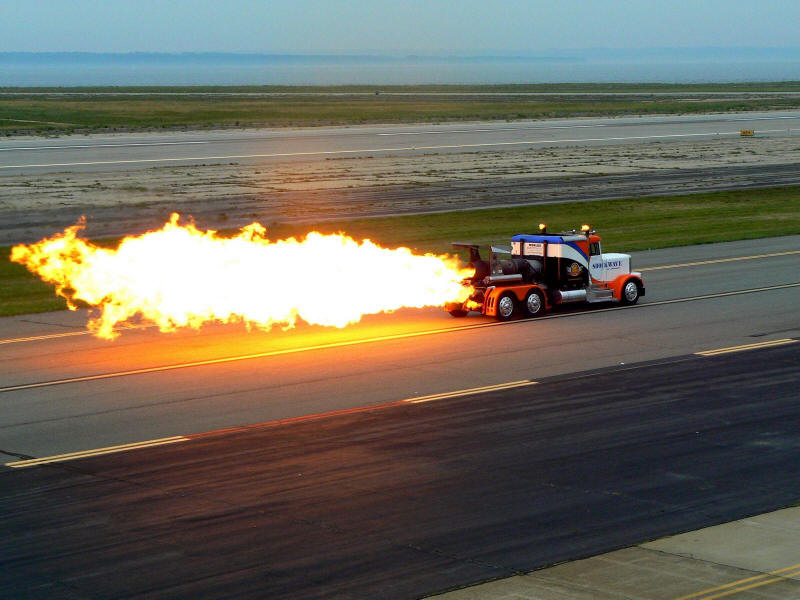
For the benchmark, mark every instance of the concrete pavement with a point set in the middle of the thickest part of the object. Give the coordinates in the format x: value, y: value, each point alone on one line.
x: 140, y: 151
x: 757, y: 558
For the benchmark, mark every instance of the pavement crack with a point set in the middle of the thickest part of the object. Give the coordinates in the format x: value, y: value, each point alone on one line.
x: 52, y: 324
x: 17, y: 455
x: 703, y: 560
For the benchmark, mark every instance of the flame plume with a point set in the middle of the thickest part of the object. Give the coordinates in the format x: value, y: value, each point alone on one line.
x: 179, y: 276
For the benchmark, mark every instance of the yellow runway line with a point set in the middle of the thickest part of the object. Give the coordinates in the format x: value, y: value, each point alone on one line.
x: 383, y: 338
x: 63, y: 334
x: 744, y: 347
x: 719, y: 260
x: 739, y: 586
x: 646, y: 269
x: 33, y: 462
x: 470, y: 391
x: 47, y: 336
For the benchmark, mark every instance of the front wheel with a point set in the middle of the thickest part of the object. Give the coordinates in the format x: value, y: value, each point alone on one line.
x: 630, y: 292
x: 534, y: 304
x: 506, y: 305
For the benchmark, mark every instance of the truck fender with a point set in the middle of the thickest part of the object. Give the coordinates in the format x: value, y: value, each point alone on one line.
x: 618, y: 284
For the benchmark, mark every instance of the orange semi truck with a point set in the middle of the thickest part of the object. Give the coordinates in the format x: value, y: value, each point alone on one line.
x: 542, y: 270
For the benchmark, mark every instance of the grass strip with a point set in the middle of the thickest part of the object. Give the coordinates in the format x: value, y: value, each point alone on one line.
x: 100, y: 113
x: 625, y: 225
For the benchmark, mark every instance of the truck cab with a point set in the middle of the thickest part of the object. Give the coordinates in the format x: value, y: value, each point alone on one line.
x: 542, y: 270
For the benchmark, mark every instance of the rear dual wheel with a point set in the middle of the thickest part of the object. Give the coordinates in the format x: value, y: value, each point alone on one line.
x: 534, y: 304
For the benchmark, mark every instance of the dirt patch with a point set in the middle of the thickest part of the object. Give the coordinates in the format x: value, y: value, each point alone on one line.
x: 226, y: 196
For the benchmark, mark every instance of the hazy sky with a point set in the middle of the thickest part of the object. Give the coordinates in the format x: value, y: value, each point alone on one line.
x: 424, y: 26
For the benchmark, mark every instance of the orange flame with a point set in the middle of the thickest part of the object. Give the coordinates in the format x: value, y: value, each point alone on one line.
x: 179, y: 276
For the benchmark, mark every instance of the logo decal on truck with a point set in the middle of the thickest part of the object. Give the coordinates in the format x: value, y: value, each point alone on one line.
x: 574, y: 269
x: 608, y: 264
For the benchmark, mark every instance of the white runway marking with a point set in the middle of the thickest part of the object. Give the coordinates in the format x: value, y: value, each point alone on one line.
x: 126, y: 145
x: 441, y: 131
x: 588, y: 126
x: 382, y: 150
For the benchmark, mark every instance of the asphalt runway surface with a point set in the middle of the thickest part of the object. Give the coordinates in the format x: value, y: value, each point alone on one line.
x: 64, y: 391
x: 131, y: 151
x: 595, y: 429
x: 409, y: 500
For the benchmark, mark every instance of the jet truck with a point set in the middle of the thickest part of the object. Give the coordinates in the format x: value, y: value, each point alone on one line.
x: 542, y: 270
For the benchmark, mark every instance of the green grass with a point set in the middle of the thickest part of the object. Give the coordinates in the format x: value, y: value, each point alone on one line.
x: 625, y: 225
x: 49, y: 114
x: 21, y: 292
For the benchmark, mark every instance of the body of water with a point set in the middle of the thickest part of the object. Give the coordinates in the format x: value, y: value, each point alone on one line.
x: 131, y: 70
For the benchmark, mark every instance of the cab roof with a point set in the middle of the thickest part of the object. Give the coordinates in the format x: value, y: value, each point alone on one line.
x: 550, y: 238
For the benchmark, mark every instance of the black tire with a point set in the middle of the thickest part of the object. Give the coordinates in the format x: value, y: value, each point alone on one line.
x: 506, y: 307
x: 458, y: 313
x: 631, y: 292
x: 531, y: 307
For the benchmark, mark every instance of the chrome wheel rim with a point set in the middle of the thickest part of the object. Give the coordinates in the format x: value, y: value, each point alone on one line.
x: 506, y: 306
x: 534, y: 304
x: 631, y: 291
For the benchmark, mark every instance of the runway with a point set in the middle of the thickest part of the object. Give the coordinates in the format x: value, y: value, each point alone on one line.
x: 63, y: 391
x: 412, y: 499
x: 134, y: 151
x: 407, y: 455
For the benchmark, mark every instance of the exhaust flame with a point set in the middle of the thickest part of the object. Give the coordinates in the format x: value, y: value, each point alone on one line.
x: 179, y: 276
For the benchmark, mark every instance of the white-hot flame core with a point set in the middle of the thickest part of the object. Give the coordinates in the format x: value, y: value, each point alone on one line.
x: 180, y: 276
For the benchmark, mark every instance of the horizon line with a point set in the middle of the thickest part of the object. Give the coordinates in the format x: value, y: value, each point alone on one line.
x: 410, y: 53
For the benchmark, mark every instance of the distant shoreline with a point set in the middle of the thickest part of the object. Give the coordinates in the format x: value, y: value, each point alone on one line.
x: 665, y: 53
x: 558, y: 88
x: 650, y: 65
